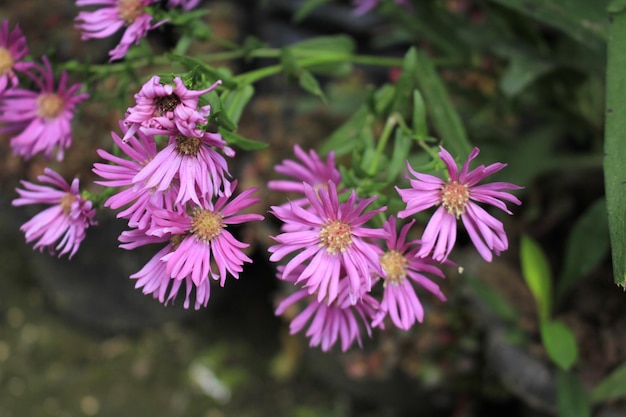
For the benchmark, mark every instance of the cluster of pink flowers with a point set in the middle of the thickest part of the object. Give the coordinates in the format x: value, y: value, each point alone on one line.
x: 113, y: 15
x: 178, y: 195
x: 335, y: 258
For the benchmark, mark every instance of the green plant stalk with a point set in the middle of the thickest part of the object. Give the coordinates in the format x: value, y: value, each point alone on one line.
x: 391, y: 122
x: 615, y: 144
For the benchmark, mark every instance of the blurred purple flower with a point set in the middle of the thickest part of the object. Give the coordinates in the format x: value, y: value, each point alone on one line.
x: 12, y: 49
x: 329, y: 323
x: 114, y: 15
x: 43, y: 117
x: 206, y: 242
x: 457, y: 198
x: 364, y: 6
x: 312, y: 170
x: 330, y: 237
x: 186, y: 5
x: 166, y: 109
x: 64, y: 223
x: 402, y: 269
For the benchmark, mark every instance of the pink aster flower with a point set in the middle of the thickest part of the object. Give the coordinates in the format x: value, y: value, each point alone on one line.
x: 402, y: 271
x: 114, y: 15
x: 138, y: 150
x: 458, y: 198
x: 329, y: 323
x: 206, y: 244
x: 199, y: 169
x: 166, y: 109
x: 43, y: 117
x: 331, y: 238
x: 64, y: 223
x: 154, y: 279
x: 312, y: 170
x: 13, y: 49
x: 186, y: 5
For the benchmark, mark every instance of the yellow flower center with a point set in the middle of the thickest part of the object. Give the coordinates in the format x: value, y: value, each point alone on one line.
x: 336, y: 236
x: 66, y: 203
x: 454, y: 198
x: 129, y: 10
x: 394, y: 263
x: 206, y: 225
x: 6, y: 61
x: 187, y: 146
x: 49, y: 105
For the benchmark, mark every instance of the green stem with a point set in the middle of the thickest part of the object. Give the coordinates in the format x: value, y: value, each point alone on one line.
x: 382, y: 142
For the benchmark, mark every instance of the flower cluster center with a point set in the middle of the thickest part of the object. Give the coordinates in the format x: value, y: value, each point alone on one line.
x: 49, y: 105
x: 454, y: 198
x: 166, y: 104
x: 6, y: 61
x: 129, y: 10
x: 206, y: 225
x: 66, y: 203
x: 395, y: 264
x: 336, y: 236
x: 187, y: 146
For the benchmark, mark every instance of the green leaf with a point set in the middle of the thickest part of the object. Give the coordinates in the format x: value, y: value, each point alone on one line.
x: 583, y: 20
x: 523, y: 69
x: 401, y: 147
x: 571, y: 398
x: 616, y: 6
x: 615, y: 145
x: 612, y: 387
x: 536, y: 271
x: 335, y: 43
x: 587, y: 245
x: 310, y: 84
x: 493, y: 300
x: 419, y: 116
x: 441, y: 111
x: 306, y: 8
x: 559, y: 342
x: 405, y: 85
x: 221, y: 119
x: 235, y: 101
x: 241, y: 142
x: 213, y: 73
x: 341, y: 141
x: 289, y: 63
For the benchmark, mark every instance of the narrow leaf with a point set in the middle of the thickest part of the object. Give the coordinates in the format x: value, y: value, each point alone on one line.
x: 587, y: 245
x: 615, y: 144
x: 560, y: 343
x: 441, y: 111
x: 571, y: 400
x: 612, y: 386
x: 310, y: 84
x: 241, y: 142
x: 536, y: 271
x: 306, y: 8
x: 419, y: 116
x: 235, y: 101
x: 401, y: 148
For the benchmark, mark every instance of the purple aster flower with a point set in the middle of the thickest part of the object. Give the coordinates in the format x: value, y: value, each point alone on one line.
x: 402, y: 269
x: 64, y: 223
x: 43, y: 117
x: 331, y: 237
x: 329, y: 323
x: 186, y: 5
x: 457, y: 198
x: 166, y: 109
x: 192, y: 161
x: 119, y: 173
x: 206, y: 244
x: 114, y: 15
x: 13, y: 49
x: 364, y: 6
x: 312, y: 170
x: 154, y: 279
